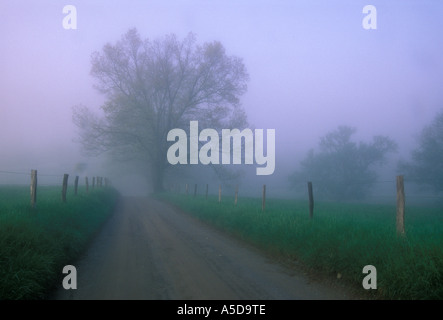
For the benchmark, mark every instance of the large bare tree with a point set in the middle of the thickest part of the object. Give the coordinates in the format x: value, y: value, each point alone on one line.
x: 153, y: 86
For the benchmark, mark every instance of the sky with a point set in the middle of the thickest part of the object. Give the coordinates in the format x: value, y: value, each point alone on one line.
x: 312, y: 67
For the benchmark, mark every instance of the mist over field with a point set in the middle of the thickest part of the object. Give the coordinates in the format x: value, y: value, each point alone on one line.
x: 221, y: 150
x: 312, y: 67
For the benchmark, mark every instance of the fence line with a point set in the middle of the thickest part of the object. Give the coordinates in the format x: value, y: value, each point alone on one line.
x: 400, y: 199
x: 34, y: 183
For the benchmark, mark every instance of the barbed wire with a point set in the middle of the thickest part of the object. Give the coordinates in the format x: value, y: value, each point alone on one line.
x: 301, y: 186
x: 14, y: 172
x: 28, y: 173
x: 27, y: 185
x: 349, y: 184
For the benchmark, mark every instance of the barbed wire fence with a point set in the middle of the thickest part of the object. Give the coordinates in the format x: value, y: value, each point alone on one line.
x: 392, y: 193
x: 34, y: 179
x: 21, y: 178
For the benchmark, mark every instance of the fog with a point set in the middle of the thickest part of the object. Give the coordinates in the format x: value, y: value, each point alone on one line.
x: 312, y: 67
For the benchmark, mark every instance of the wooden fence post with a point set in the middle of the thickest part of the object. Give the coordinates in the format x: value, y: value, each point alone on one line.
x: 400, y: 206
x: 186, y: 189
x: 263, y: 203
x: 195, y: 190
x: 219, y: 193
x: 65, y: 186
x: 87, y: 184
x: 311, y: 200
x: 207, y: 189
x: 33, y: 188
x: 236, y: 194
x: 75, y: 185
x: 93, y: 182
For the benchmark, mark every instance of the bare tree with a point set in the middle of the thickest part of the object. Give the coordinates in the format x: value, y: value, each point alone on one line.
x: 153, y: 86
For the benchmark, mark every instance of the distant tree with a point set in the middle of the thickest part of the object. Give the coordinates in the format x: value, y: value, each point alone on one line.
x: 343, y: 169
x: 426, y: 165
x: 154, y: 86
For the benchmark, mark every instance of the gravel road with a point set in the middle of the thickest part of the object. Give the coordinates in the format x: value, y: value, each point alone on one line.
x: 151, y: 250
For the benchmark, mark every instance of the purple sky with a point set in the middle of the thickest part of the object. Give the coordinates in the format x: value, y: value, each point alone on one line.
x: 312, y: 67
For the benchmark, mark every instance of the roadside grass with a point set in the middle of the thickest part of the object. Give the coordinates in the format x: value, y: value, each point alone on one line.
x: 35, y: 244
x: 340, y: 239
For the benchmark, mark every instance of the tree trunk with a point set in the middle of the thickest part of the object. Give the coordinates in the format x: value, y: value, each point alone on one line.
x: 157, y: 174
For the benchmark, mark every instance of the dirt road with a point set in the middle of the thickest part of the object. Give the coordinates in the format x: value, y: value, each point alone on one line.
x: 150, y: 250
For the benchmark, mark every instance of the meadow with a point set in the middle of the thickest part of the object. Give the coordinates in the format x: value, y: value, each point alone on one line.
x: 339, y: 241
x: 36, y: 243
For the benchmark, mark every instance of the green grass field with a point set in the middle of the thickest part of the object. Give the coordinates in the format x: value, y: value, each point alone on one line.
x: 341, y: 238
x: 36, y: 243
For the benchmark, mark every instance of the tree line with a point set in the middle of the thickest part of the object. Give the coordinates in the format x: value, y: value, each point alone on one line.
x: 153, y: 86
x: 346, y: 169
